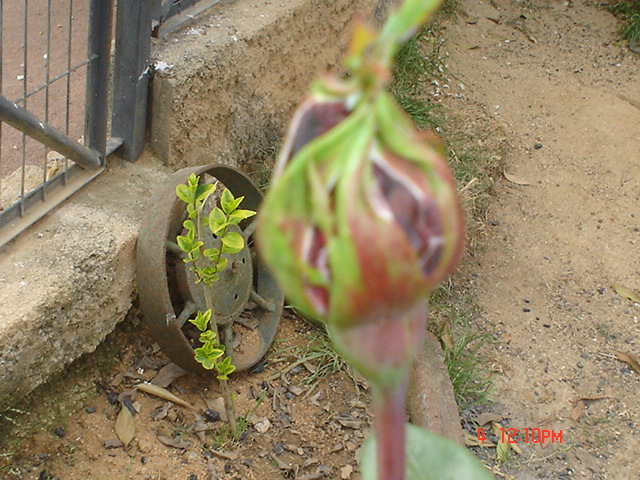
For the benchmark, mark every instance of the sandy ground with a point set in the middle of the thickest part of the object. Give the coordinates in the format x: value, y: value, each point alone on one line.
x: 563, y: 228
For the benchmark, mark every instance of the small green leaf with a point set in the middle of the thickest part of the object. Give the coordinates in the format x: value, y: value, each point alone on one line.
x: 202, y: 320
x: 233, y: 241
x: 225, y: 368
x: 237, y: 216
x: 203, y: 358
x: 217, y: 220
x: 226, y: 201
x: 193, y: 181
x: 429, y: 457
x: 203, y: 191
x: 211, y: 253
x: 236, y: 203
x: 185, y: 243
x: 192, y: 211
x: 209, y: 275
x: 195, y: 247
x: 185, y: 194
x: 221, y: 265
x: 189, y: 225
x: 208, y: 336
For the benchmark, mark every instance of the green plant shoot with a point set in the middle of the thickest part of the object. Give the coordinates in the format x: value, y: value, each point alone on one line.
x: 208, y: 263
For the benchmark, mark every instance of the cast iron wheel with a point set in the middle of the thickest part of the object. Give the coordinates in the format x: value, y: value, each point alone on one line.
x: 247, y: 301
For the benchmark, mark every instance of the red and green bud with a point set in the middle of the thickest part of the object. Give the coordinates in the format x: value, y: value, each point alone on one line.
x: 363, y: 221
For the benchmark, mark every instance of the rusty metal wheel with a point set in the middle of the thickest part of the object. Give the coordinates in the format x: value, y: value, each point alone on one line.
x: 247, y: 301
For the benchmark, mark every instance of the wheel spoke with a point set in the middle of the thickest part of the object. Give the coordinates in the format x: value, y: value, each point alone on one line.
x: 189, y: 309
x: 251, y: 228
x: 260, y: 301
x: 173, y: 248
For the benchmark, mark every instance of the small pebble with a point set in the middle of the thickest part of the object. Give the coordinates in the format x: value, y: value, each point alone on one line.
x: 112, y: 398
x: 91, y: 409
x: 113, y: 443
x: 193, y: 476
x: 59, y: 432
x: 257, y: 368
x: 211, y: 415
x: 278, y: 449
x: 227, y: 468
x: 526, y: 310
x: 143, y: 460
x: 537, y: 146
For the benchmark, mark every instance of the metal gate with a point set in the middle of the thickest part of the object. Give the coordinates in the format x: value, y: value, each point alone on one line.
x: 68, y: 97
x: 54, y: 70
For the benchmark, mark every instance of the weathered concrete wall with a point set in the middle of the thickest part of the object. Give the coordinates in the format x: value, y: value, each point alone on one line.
x: 234, y: 77
x: 67, y: 281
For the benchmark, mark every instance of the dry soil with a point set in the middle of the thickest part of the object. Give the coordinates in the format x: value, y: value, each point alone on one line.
x: 557, y: 250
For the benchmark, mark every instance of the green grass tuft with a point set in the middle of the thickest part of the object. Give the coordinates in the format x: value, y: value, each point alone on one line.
x: 629, y: 12
x: 418, y: 63
x: 318, y: 355
x: 452, y: 315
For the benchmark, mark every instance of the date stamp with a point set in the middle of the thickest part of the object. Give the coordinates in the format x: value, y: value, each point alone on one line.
x: 524, y: 435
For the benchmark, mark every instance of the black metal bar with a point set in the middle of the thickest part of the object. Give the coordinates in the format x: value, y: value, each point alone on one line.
x: 97, y: 111
x: 131, y: 75
x: 1, y: 61
x: 29, y: 124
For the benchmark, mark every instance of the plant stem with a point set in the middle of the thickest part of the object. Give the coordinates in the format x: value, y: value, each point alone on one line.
x: 229, y: 407
x: 390, y: 429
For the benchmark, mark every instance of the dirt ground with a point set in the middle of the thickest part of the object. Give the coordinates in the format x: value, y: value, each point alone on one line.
x: 565, y: 93
x: 557, y: 259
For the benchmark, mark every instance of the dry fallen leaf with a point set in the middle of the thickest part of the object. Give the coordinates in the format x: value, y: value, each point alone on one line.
x: 125, y: 426
x: 629, y: 360
x: 162, y: 393
x: 626, y: 293
x: 488, y: 417
x: 503, y: 433
x: 578, y: 411
x: 514, y: 179
x: 168, y: 374
x: 173, y: 442
x: 472, y: 441
x: 233, y: 456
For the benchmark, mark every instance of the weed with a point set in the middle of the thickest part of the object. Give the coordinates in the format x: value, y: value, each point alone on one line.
x: 451, y: 319
x: 450, y: 8
x: 224, y: 437
x: 317, y: 356
x: 261, y: 166
x: 629, y: 12
x: 418, y: 63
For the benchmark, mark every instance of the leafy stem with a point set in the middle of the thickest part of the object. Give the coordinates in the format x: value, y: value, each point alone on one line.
x: 208, y: 263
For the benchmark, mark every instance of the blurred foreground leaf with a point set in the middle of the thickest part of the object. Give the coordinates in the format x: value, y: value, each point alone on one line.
x: 429, y: 457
